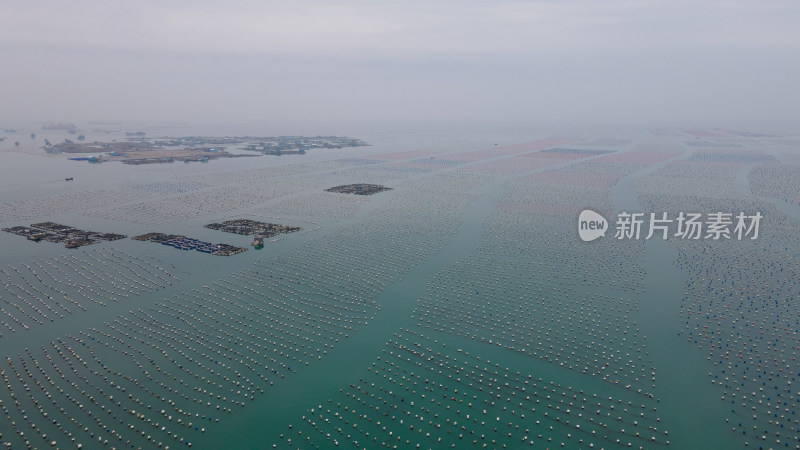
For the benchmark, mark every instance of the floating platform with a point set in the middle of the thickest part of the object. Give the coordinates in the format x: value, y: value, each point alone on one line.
x: 54, y: 232
x: 359, y: 189
x: 247, y: 227
x: 186, y: 243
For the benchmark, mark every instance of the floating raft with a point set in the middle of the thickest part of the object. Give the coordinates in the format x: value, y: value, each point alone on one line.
x: 186, y: 243
x: 54, y: 232
x: 359, y: 189
x: 247, y: 227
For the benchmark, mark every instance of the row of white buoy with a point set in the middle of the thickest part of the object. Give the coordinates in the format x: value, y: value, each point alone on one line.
x: 317, y: 205
x: 739, y: 304
x: 213, y: 349
x: 776, y: 180
x: 235, y: 190
x: 50, y: 289
x: 66, y: 203
x: 82, y: 411
x: 216, y: 334
x: 497, y: 303
x: 415, y: 395
x: 536, y: 224
x: 165, y: 188
x: 611, y: 307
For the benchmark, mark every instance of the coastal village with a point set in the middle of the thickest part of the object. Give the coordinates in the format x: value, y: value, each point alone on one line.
x: 138, y: 149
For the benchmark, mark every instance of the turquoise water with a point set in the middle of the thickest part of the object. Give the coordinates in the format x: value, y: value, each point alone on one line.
x: 458, y: 309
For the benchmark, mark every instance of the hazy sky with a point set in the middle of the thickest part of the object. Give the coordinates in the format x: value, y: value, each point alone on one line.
x: 677, y: 62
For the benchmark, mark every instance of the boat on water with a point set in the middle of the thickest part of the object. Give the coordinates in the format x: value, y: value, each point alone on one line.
x: 258, y: 241
x: 69, y: 179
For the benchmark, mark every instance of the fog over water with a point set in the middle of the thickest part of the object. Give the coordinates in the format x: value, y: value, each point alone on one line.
x: 328, y: 65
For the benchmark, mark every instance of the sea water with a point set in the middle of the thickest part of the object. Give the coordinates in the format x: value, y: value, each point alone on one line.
x: 458, y: 309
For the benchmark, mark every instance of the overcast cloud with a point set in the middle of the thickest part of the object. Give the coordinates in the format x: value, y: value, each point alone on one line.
x: 672, y: 62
